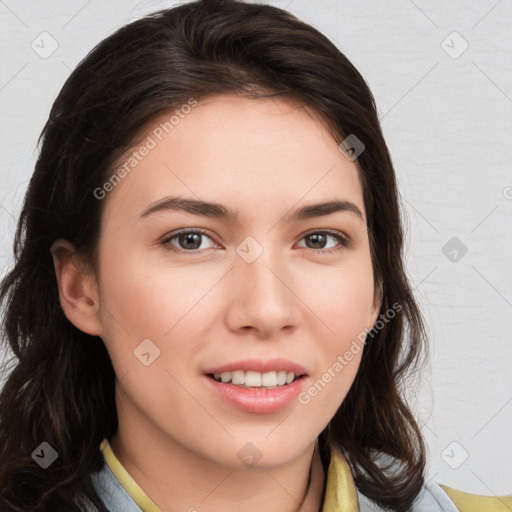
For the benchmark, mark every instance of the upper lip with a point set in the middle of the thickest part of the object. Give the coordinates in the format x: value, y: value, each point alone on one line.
x: 260, y: 365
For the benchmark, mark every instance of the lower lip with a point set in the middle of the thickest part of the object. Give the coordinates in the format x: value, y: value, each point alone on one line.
x: 257, y: 400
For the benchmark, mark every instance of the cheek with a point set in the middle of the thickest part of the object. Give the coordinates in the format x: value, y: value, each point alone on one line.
x: 328, y: 388
x: 341, y: 297
x: 141, y: 299
x: 151, y: 336
x: 141, y: 302
x: 343, y: 301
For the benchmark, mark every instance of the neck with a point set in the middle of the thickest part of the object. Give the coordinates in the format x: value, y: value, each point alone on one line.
x: 176, y: 478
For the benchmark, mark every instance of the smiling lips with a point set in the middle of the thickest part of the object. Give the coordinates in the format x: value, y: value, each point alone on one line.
x: 256, y: 373
x: 252, y: 379
x: 257, y: 386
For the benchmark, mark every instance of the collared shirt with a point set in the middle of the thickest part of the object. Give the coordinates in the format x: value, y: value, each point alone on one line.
x: 121, y: 493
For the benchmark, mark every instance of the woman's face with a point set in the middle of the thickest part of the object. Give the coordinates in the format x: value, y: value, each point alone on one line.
x: 245, y: 291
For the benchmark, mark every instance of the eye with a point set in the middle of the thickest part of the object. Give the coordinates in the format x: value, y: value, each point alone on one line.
x: 188, y: 241
x: 314, y: 239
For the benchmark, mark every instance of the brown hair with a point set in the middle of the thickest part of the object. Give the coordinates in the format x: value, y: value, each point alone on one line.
x: 62, y: 388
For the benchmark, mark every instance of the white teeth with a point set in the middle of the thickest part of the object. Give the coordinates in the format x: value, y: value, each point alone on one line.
x: 252, y: 379
x: 269, y: 379
x: 238, y: 378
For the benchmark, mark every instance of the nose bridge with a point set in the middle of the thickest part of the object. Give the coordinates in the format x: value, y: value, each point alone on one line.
x: 264, y: 299
x: 262, y: 273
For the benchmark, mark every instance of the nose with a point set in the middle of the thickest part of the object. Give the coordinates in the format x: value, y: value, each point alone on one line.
x: 261, y: 295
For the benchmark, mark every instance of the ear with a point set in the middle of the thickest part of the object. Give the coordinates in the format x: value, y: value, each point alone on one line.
x: 78, y: 290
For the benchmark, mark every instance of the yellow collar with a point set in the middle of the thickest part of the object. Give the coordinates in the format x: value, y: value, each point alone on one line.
x: 340, y: 491
x: 131, y: 486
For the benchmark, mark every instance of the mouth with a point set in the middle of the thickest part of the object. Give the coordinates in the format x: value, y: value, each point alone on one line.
x: 256, y: 380
x: 260, y: 386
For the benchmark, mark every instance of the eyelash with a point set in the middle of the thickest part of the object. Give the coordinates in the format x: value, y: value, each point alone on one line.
x: 344, y: 242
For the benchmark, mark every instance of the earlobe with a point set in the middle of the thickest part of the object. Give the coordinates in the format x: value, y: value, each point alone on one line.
x: 77, y: 288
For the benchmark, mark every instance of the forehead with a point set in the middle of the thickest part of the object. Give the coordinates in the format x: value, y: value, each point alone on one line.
x: 246, y: 152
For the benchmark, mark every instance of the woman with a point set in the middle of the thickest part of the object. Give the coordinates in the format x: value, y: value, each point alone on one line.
x: 209, y: 304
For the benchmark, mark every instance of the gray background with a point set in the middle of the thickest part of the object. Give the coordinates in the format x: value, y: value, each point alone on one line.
x: 446, y: 112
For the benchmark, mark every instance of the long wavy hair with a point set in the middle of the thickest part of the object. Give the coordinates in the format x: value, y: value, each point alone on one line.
x: 60, y: 385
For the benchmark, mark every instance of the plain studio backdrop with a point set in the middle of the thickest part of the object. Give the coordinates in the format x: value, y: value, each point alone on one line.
x: 441, y: 74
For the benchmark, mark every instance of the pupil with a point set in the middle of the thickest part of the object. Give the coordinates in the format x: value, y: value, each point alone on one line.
x: 193, y: 239
x: 316, y: 238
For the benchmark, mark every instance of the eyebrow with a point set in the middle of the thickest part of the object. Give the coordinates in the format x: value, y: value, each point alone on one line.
x: 218, y: 211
